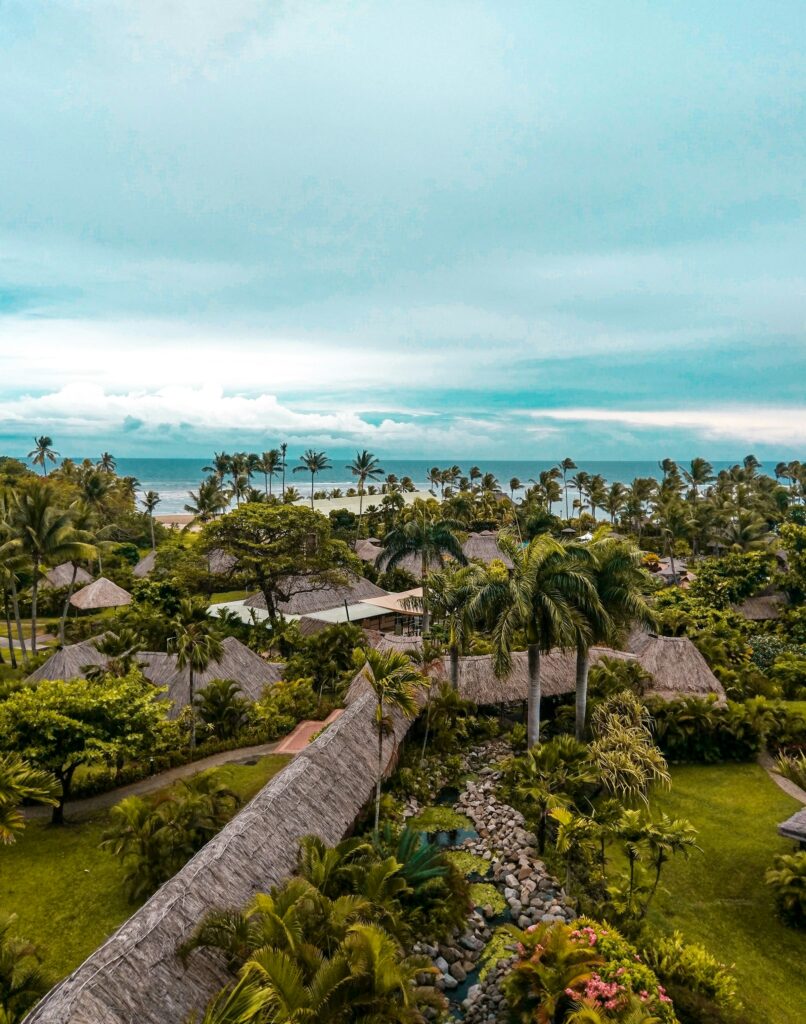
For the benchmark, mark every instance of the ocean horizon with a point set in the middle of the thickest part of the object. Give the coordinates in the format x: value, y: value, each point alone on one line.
x: 173, y: 478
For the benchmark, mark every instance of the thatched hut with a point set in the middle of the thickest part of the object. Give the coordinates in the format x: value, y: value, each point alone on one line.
x: 677, y: 667
x: 763, y: 607
x: 145, y: 566
x: 311, y: 597
x: 136, y: 975
x: 71, y: 662
x: 795, y: 828
x: 102, y: 593
x: 61, y: 576
x: 220, y: 562
x: 483, y: 547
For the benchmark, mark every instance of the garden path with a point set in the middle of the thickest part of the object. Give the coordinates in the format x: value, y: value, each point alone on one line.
x: 792, y: 788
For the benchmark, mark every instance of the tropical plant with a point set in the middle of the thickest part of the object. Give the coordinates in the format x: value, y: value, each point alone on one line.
x: 313, y: 463
x: 270, y: 464
x: 43, y: 453
x: 196, y: 647
x: 209, y: 501
x: 20, y: 781
x: 627, y: 760
x: 221, y: 708
x: 787, y: 878
x: 364, y: 467
x: 22, y: 979
x: 150, y: 501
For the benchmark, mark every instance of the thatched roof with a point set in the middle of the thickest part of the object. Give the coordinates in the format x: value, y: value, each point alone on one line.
x: 763, y: 607
x: 368, y: 550
x: 483, y: 547
x: 383, y: 642
x: 678, y: 668
x: 321, y: 597
x: 145, y: 565
x: 60, y: 577
x: 237, y: 662
x: 794, y: 827
x: 135, y: 976
x: 103, y: 593
x: 371, y: 550
x: 220, y: 563
x: 70, y: 662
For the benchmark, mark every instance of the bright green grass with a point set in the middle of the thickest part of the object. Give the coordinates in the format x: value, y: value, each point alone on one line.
x: 797, y: 705
x: 718, y: 897
x: 439, y: 819
x: 229, y: 595
x: 68, y: 894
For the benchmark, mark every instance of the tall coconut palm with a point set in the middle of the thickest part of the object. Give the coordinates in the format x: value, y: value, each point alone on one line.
x: 540, y: 597
x: 11, y: 562
x: 424, y: 534
x: 269, y: 467
x: 514, y: 485
x: 220, y: 466
x: 676, y: 523
x: 45, y: 532
x: 450, y: 596
x: 395, y: 682
x: 548, y: 480
x: 150, y: 501
x: 614, y: 500
x: 43, y: 453
x: 87, y: 531
x: 283, y: 466
x: 699, y: 473
x: 614, y: 567
x: 364, y: 467
x: 107, y: 463
x: 209, y: 501
x: 564, y: 466
x: 196, y: 648
x: 580, y: 482
x: 313, y: 463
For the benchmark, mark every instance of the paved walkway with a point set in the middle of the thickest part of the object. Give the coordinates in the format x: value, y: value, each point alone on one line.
x: 297, y: 740
x: 90, y: 804
x: 787, y: 785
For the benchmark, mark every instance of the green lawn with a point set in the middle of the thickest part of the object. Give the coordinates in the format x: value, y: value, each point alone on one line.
x: 68, y: 893
x: 230, y: 595
x: 719, y: 898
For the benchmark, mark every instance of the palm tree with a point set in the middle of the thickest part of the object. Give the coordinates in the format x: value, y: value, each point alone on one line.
x: 450, y: 597
x: 283, y: 465
x: 22, y: 980
x: 422, y: 533
x: 44, y: 532
x: 11, y: 561
x: 395, y: 681
x: 614, y: 500
x: 596, y: 492
x: 150, y: 501
x: 43, y: 452
x: 540, y: 596
x: 676, y: 523
x: 564, y: 467
x: 221, y: 706
x: 209, y: 501
x: 699, y: 473
x: 313, y: 463
x: 20, y: 781
x: 269, y: 466
x: 196, y: 648
x: 514, y: 485
x: 580, y: 482
x: 475, y: 474
x: 614, y: 567
x: 548, y: 483
x: 87, y: 531
x: 239, y: 488
x: 220, y: 467
x: 435, y: 479
x: 364, y: 467
x: 107, y: 463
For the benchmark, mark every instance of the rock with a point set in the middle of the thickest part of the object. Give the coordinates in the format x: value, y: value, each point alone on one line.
x: 458, y: 972
x: 441, y: 964
x: 449, y: 981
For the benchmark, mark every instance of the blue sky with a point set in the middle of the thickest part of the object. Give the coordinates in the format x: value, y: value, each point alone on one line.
x: 451, y: 229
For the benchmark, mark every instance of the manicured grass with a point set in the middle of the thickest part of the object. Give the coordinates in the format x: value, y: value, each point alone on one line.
x: 718, y: 897
x: 230, y: 595
x: 68, y: 893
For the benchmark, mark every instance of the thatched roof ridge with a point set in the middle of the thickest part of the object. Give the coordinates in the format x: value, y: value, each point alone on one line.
x: 408, y: 644
x: 102, y: 593
x: 763, y: 607
x: 483, y: 547
x: 368, y: 550
x: 326, y: 596
x: 677, y: 667
x: 60, y: 577
x: 237, y: 662
x: 135, y: 976
x: 70, y: 662
x: 145, y: 566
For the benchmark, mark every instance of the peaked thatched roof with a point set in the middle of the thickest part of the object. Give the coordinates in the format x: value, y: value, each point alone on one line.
x: 368, y: 550
x: 483, y: 547
x: 763, y: 607
x: 145, y: 565
x: 321, y: 597
x: 103, y: 593
x: 678, y: 668
x: 237, y: 662
x: 383, y: 642
x: 794, y: 827
x: 220, y: 563
x: 135, y: 976
x: 61, y: 576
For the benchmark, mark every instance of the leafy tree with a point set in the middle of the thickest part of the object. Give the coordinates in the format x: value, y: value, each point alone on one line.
x: 326, y: 657
x: 282, y: 550
x: 62, y: 724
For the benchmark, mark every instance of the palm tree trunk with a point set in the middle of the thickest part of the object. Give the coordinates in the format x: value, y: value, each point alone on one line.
x: 581, y: 691
x: 34, y: 597
x: 312, y: 476
x: 15, y: 604
x: 380, y: 771
x: 151, y: 523
x: 454, y: 656
x: 11, y: 650
x: 533, y: 706
x: 66, y: 608
x: 192, y: 709
x: 424, y: 576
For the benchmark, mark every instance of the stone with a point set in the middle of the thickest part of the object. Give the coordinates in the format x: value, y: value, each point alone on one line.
x: 449, y: 981
x: 458, y: 972
x: 441, y: 964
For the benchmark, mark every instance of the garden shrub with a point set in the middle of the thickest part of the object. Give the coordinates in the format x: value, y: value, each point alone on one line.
x: 693, y: 729
x: 787, y: 878
x: 690, y: 970
x: 792, y: 767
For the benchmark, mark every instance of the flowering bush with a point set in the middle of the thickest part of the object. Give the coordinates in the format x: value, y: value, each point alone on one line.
x: 562, y: 969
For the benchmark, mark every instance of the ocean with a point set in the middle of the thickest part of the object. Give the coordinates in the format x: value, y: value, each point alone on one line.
x: 173, y: 478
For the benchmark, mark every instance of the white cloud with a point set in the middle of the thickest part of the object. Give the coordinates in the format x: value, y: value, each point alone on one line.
x: 756, y: 424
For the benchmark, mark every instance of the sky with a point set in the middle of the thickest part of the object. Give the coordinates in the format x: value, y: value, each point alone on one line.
x: 523, y: 230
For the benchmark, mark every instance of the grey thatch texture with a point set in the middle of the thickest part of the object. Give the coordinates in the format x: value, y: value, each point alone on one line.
x: 237, y: 662
x: 368, y: 550
x: 220, y: 563
x: 763, y: 607
x: 795, y: 827
x: 408, y: 644
x: 61, y: 576
x: 70, y: 662
x: 483, y: 547
x: 316, y: 598
x: 135, y: 977
x: 145, y: 565
x: 103, y: 593
x: 677, y: 667
x: 371, y: 551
